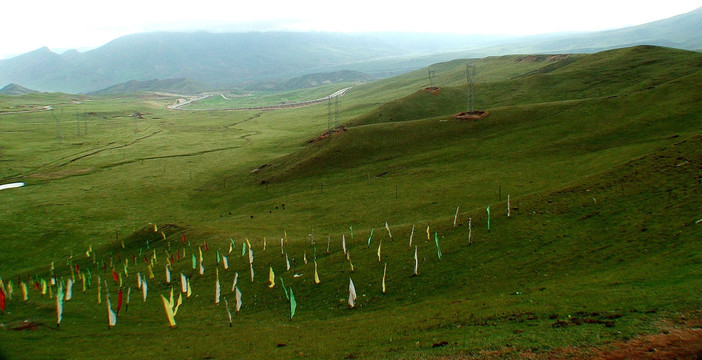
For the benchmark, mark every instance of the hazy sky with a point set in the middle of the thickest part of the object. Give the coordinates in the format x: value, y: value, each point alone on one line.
x: 87, y: 24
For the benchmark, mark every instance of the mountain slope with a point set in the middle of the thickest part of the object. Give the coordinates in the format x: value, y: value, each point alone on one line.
x: 244, y: 58
x: 682, y: 31
x: 16, y: 89
x: 177, y: 86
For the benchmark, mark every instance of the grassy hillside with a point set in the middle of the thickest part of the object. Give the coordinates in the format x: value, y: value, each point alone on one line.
x: 599, y: 246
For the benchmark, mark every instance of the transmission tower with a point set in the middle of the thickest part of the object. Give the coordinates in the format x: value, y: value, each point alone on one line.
x: 59, y: 139
x: 470, y: 77
x: 430, y: 75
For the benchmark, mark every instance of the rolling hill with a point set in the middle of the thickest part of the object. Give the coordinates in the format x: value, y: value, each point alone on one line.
x: 597, y: 245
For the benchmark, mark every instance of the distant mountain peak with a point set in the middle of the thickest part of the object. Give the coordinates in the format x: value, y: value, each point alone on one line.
x: 16, y: 89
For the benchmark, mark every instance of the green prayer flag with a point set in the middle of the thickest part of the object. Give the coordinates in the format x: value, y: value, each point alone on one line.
x: 488, y: 217
x: 293, y: 304
x: 218, y: 257
x: 194, y: 261
x: 438, y: 249
x: 282, y: 284
x: 370, y: 237
x: 351, y: 228
x: 243, y: 248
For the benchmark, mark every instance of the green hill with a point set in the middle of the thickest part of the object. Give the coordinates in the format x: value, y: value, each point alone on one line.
x: 599, y: 155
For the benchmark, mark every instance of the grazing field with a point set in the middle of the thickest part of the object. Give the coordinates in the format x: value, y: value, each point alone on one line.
x: 600, y: 155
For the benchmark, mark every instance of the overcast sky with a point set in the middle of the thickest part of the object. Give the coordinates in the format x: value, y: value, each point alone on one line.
x: 87, y: 24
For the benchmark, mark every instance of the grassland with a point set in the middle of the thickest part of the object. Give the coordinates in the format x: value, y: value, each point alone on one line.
x: 600, y: 155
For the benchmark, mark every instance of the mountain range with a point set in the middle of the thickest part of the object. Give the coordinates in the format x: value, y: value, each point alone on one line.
x: 231, y: 60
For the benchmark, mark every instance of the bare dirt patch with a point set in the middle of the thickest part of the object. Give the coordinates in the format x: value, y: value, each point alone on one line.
x: 472, y: 115
x: 328, y: 133
x: 433, y: 90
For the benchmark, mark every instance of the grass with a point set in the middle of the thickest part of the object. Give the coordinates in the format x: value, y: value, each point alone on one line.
x: 601, y: 244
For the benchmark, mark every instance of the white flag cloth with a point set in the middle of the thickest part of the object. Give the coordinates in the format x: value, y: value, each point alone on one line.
x: 111, y: 316
x: 183, y: 283
x: 229, y: 313
x: 237, y: 294
x: 218, y: 291
x: 352, y: 294
x: 168, y: 274
x: 144, y: 288
x: 343, y: 243
x: 236, y: 279
x: 411, y: 235
x: 69, y: 289
x: 416, y: 261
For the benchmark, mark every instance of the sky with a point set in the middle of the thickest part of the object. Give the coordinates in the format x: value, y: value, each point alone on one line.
x: 87, y: 24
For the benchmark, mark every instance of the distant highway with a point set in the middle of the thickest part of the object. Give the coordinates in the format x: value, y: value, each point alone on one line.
x: 179, y: 105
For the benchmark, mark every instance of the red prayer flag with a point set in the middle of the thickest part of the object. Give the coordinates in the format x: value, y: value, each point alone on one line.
x: 119, y: 300
x: 115, y: 277
x: 2, y: 300
x: 183, y: 238
x: 206, y: 248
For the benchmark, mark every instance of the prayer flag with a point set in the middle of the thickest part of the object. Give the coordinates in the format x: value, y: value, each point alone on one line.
x: 488, y: 217
x: 282, y: 284
x: 316, y: 274
x: 237, y: 295
x: 508, y: 207
x: 385, y: 270
x: 168, y: 274
x: 111, y: 316
x: 438, y: 249
x: 169, y: 312
x: 352, y: 294
x: 411, y: 236
x: 236, y: 279
x: 343, y: 243
x: 271, y: 277
x: 144, y: 288
x: 293, y: 304
x: 416, y: 262
x: 119, y: 300
x: 470, y: 231
x: 59, y: 304
x: 69, y: 289
x: 229, y: 313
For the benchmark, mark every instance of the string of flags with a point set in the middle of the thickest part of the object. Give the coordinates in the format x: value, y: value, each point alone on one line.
x: 64, y: 289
